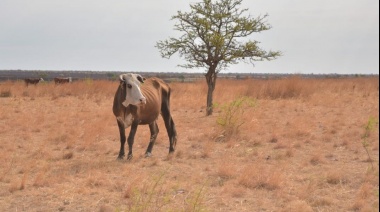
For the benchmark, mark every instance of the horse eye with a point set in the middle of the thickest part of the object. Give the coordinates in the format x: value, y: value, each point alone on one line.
x: 129, y: 86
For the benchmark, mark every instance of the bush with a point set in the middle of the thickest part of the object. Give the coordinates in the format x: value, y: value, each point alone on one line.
x: 369, y: 127
x: 232, y: 113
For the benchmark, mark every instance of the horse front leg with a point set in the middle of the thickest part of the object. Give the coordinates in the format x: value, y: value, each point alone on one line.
x: 131, y: 139
x: 120, y: 124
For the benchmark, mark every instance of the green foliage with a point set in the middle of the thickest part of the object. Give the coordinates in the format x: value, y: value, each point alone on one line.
x: 368, y: 128
x: 112, y: 76
x: 371, y: 124
x: 212, y: 35
x: 150, y: 198
x: 232, y: 114
x: 154, y: 197
x: 89, y: 81
x: 195, y: 202
x: 182, y: 78
x: 215, y: 35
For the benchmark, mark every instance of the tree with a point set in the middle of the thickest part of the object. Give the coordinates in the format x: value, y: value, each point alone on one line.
x: 213, y: 37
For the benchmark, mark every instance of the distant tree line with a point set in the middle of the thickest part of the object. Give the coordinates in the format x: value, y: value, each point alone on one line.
x: 169, y: 77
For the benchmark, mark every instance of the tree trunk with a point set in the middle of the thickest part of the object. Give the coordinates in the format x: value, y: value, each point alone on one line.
x: 211, y: 81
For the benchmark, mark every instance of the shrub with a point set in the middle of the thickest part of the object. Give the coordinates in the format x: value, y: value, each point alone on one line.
x: 152, y: 197
x: 232, y: 113
x: 195, y: 200
x: 369, y: 127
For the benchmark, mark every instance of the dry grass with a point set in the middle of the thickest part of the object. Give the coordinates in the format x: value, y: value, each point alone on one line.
x: 299, y: 149
x: 261, y: 177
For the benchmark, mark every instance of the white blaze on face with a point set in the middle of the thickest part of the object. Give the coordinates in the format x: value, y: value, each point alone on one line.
x: 132, y: 85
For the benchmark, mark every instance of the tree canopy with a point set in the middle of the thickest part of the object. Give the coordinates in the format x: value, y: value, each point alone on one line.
x: 215, y: 36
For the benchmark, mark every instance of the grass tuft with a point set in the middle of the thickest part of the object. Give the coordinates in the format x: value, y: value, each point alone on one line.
x: 5, y: 93
x: 261, y: 178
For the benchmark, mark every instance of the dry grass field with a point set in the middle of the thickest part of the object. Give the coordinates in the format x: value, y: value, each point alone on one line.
x: 299, y: 148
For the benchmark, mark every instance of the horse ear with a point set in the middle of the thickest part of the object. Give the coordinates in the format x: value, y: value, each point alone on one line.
x: 121, y: 78
x: 122, y: 81
x: 140, y: 78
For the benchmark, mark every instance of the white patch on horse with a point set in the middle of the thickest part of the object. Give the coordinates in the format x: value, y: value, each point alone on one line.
x: 125, y: 103
x: 127, y: 120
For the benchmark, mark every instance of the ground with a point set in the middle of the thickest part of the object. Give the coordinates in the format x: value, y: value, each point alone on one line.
x: 300, y: 147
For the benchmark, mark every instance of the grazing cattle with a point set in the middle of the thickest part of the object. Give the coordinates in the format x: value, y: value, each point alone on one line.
x: 139, y: 101
x: 32, y: 81
x: 58, y: 80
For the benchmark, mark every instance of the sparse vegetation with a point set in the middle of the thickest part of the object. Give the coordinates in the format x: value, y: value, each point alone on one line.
x: 152, y: 197
x: 299, y: 152
x: 369, y: 127
x: 232, y: 113
x: 195, y: 201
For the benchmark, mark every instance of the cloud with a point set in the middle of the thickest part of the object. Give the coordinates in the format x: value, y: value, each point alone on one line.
x: 316, y: 36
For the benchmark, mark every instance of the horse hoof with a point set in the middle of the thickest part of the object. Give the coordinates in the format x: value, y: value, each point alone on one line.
x: 129, y: 157
x: 148, y: 155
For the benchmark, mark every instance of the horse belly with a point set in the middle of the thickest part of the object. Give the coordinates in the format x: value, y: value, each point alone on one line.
x: 150, y: 114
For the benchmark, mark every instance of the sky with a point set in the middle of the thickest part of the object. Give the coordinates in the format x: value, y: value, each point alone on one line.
x: 315, y: 37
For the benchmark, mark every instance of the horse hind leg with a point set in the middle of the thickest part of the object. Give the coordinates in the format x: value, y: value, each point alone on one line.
x: 153, y: 135
x: 170, y: 127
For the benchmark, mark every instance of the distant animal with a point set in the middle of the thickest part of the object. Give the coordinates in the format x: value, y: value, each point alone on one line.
x: 139, y: 101
x: 59, y: 80
x: 32, y: 81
